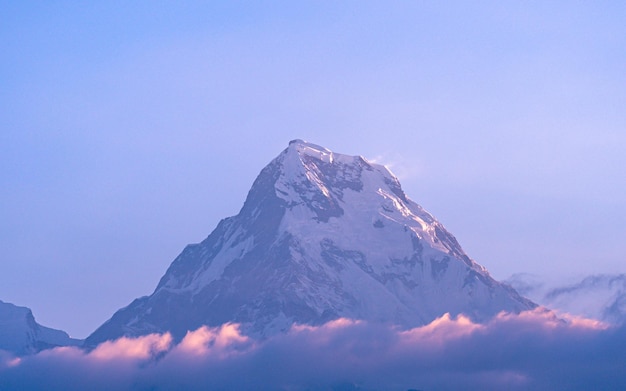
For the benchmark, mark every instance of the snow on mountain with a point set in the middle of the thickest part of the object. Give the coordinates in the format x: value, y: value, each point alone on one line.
x: 321, y: 235
x: 20, y: 334
x: 600, y: 296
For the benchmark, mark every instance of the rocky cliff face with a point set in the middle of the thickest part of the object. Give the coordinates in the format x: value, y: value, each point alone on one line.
x: 321, y: 235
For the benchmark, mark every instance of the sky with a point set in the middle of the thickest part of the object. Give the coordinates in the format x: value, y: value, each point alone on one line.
x: 129, y: 129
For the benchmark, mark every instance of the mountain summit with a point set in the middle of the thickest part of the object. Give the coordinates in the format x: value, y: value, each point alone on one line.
x: 320, y: 236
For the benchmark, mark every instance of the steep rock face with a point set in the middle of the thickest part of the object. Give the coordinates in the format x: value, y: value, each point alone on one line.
x: 321, y: 235
x: 20, y: 334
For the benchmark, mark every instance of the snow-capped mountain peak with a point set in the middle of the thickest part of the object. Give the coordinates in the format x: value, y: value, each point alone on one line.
x: 316, y: 179
x: 321, y: 235
x: 309, y: 172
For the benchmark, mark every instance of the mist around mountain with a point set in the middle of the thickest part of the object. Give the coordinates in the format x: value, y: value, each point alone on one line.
x: 321, y: 236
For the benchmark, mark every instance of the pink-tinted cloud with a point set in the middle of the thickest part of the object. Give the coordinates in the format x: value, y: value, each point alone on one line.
x: 535, y: 350
x: 219, y: 342
x: 132, y: 348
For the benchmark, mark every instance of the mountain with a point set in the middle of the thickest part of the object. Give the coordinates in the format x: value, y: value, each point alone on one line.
x: 20, y: 334
x: 598, y: 296
x: 321, y: 235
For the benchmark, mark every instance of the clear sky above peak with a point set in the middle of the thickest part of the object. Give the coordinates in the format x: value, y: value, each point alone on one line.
x: 128, y: 130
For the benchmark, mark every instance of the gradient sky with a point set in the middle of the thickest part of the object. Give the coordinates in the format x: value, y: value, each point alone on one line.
x: 129, y: 129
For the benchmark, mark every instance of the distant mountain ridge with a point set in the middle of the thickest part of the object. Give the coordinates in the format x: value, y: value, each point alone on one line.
x: 597, y: 296
x: 20, y: 334
x: 321, y: 235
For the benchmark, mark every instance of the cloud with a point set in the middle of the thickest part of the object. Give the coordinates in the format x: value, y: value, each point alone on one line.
x: 132, y: 348
x: 534, y: 350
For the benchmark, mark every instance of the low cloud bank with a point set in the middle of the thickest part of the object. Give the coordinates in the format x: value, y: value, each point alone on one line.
x: 534, y: 350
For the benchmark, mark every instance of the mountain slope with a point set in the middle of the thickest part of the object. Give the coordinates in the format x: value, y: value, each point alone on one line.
x: 321, y: 235
x: 21, y: 334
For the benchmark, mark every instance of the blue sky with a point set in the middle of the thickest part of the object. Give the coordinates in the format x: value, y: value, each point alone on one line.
x: 128, y: 130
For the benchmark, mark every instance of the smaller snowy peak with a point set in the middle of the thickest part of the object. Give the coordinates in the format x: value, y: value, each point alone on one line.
x: 598, y: 296
x: 20, y: 334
